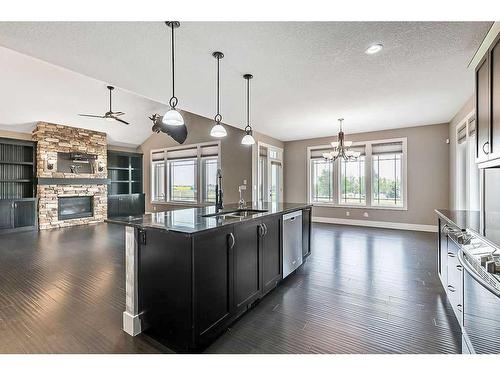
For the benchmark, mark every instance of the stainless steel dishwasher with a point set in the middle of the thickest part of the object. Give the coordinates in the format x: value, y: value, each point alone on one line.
x: 292, y: 242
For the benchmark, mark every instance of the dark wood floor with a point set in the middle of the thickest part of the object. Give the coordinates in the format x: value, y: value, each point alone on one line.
x: 363, y: 290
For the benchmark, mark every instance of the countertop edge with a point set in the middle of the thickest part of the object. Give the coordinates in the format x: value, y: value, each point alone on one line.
x: 195, y: 232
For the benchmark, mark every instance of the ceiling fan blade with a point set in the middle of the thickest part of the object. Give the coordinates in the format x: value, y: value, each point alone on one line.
x: 96, y: 116
x: 125, y: 122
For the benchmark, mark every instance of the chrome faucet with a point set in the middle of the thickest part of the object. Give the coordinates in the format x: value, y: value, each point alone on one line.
x: 219, y: 193
x: 241, y: 202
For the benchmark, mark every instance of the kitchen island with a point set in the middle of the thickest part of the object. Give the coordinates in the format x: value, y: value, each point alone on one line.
x: 190, y: 273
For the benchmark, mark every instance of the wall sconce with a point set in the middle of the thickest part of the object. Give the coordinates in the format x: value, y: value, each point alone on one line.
x: 50, y: 164
x: 100, y: 166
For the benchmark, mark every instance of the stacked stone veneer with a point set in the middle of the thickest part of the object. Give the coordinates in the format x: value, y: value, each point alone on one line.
x: 51, y: 139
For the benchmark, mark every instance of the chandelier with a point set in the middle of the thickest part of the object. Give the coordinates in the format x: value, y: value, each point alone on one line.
x: 341, y: 148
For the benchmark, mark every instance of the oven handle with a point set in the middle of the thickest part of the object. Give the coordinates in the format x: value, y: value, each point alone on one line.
x: 474, y: 274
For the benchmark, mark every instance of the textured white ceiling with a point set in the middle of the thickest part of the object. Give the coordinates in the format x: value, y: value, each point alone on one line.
x: 32, y: 90
x: 306, y: 74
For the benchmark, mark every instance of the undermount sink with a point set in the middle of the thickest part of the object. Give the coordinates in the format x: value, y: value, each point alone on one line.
x: 242, y: 212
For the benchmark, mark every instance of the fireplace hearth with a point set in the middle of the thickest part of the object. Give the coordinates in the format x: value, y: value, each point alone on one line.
x: 75, y: 207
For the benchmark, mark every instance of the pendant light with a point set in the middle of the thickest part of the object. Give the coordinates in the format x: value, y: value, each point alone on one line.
x: 173, y: 117
x: 341, y: 148
x: 218, y: 131
x: 248, y: 138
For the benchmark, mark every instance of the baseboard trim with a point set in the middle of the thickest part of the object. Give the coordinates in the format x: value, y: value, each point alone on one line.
x: 376, y: 224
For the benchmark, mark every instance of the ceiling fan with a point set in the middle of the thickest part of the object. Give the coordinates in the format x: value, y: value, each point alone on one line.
x: 110, y: 115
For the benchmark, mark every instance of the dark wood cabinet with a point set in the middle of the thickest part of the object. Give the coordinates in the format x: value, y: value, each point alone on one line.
x: 194, y: 285
x: 306, y: 230
x: 487, y: 88
x: 443, y: 252
x: 272, y: 254
x: 18, y: 214
x: 24, y: 213
x: 5, y: 214
x: 126, y: 205
x: 247, y: 278
x: 495, y: 97
x: 213, y: 282
x: 483, y: 110
x: 125, y: 191
x: 18, y: 205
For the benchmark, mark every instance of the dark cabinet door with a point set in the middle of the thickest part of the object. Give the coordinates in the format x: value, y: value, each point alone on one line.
x: 5, y: 214
x: 24, y: 213
x: 443, y: 253
x: 247, y: 280
x: 113, y: 206
x: 495, y: 98
x: 483, y: 110
x: 271, y: 253
x: 306, y: 232
x: 213, y: 281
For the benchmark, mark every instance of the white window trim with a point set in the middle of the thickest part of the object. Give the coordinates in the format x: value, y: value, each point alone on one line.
x: 368, y: 173
x: 199, y: 177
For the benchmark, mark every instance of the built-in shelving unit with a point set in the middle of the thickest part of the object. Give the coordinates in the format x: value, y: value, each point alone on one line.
x: 125, y: 190
x: 17, y: 184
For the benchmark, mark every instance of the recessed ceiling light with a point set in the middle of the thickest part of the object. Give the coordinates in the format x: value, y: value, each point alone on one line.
x: 374, y: 48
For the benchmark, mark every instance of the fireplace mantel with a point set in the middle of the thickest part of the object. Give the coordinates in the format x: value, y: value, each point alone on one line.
x: 73, y: 181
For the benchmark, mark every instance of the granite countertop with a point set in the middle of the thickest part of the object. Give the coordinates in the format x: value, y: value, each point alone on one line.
x: 193, y: 220
x: 462, y: 219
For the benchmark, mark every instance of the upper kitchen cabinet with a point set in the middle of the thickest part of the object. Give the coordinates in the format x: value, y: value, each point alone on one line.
x: 488, y: 107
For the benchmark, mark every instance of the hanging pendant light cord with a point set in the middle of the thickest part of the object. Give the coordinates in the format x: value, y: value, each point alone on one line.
x: 218, y: 116
x: 248, y: 102
x: 173, y: 64
x: 173, y: 100
x: 110, y: 100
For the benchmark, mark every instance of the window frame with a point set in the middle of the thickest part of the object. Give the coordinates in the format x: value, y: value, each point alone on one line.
x: 199, y: 178
x: 311, y: 183
x: 368, y: 177
x: 339, y: 193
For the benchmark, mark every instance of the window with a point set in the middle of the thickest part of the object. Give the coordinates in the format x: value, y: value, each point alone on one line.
x: 346, y: 183
x: 158, y: 176
x: 321, y: 178
x: 185, y: 175
x: 387, y: 174
x: 209, y: 167
x: 352, y: 180
x: 182, y: 180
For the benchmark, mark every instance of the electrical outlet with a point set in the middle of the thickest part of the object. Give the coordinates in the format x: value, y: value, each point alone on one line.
x: 154, y: 208
x: 365, y: 214
x: 244, y: 182
x: 347, y: 213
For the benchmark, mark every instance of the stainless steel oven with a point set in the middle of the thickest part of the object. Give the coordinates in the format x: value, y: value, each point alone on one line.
x: 481, y: 306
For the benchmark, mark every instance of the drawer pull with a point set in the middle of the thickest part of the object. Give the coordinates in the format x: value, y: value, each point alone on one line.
x: 451, y: 255
x: 459, y: 307
x: 459, y: 267
x: 451, y: 288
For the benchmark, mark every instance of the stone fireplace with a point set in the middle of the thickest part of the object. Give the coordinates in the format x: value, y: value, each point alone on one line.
x: 66, y: 196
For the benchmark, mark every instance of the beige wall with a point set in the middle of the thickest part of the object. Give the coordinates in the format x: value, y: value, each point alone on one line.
x: 468, y: 107
x: 236, y: 158
x: 15, y: 135
x: 428, y: 177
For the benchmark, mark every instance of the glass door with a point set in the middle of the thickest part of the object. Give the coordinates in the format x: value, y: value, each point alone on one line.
x: 275, y: 188
x: 269, y: 173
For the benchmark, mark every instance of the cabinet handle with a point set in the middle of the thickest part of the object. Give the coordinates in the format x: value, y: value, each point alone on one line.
x: 451, y: 288
x: 261, y: 230
x: 451, y: 255
x: 459, y: 267
x: 459, y: 307
x: 233, y: 241
x: 265, y: 229
x: 486, y: 147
